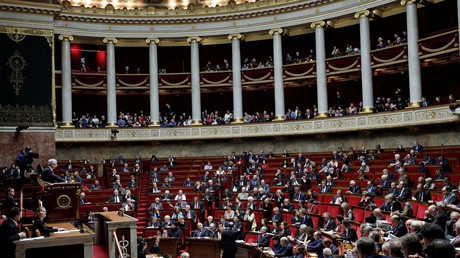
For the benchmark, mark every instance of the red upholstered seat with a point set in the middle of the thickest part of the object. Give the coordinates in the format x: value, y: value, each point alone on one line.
x: 421, y: 211
x: 333, y: 210
x: 315, y: 221
x: 250, y: 238
x: 322, y: 208
x: 359, y: 215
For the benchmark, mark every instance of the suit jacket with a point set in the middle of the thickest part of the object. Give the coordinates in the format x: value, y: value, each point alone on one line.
x: 8, y: 234
x: 10, y: 203
x: 426, y: 196
x: 42, y: 227
x: 405, y: 193
x: 386, y: 183
x: 155, y: 249
x: 228, y: 241
x: 326, y: 189
x: 263, y: 240
x: 450, y: 199
x: 252, y: 206
x: 277, y: 217
x: 449, y: 231
x: 289, y: 207
x: 394, y: 206
x: 284, y: 251
x: 209, y: 197
x: 418, y: 148
x: 329, y: 225
x: 350, y: 234
x: 49, y: 176
x: 200, y: 205
x: 164, y: 197
x: 400, y: 229
x: 200, y: 233
x: 300, y: 196
x: 112, y: 199
x: 344, y: 199
x: 191, y: 216
x: 440, y: 219
x: 356, y: 189
x: 211, y: 234
x: 372, y: 219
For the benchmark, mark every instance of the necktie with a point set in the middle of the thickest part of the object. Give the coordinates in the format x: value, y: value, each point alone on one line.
x: 188, y: 215
x: 199, y: 233
x: 421, y: 197
x: 127, y: 207
x: 116, y: 199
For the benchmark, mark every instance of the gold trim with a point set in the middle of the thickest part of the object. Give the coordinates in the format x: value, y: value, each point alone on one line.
x: 152, y: 41
x: 258, y: 79
x: 174, y: 84
x: 89, y: 85
x: 218, y: 82
x: 344, y: 68
x: 65, y: 37
x: 389, y: 60
x: 67, y: 125
x: 277, y: 31
x: 132, y: 85
x: 321, y: 115
x: 112, y: 125
x: 154, y: 123
x: 237, y: 121
x: 53, y: 83
x: 415, y: 104
x: 434, y: 50
x: 299, y: 74
x: 237, y: 36
x: 279, y: 118
x: 367, y: 110
x: 194, y: 39
x: 110, y: 40
x: 26, y: 31
x: 197, y: 122
x: 406, y: 2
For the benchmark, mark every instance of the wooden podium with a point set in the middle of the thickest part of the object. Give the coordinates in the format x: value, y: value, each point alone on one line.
x: 204, y: 247
x: 125, y: 227
x: 62, y: 201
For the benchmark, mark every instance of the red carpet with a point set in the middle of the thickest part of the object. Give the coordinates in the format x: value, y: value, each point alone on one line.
x: 100, y: 251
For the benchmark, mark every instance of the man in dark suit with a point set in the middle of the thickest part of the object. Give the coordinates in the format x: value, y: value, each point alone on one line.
x: 277, y: 215
x: 399, y: 229
x: 229, y: 237
x: 374, y: 216
x: 298, y: 195
x: 325, y: 188
x: 190, y: 214
x: 421, y: 194
x: 10, y: 202
x: 354, y: 189
x: 251, y: 204
x: 9, y: 233
x: 116, y: 198
x: 329, y: 223
x: 450, y: 225
x: 263, y: 240
x: 211, y: 232
x: 166, y: 196
x: 287, y: 206
x: 200, y: 231
x: 208, y: 196
x: 339, y: 198
x: 155, y: 247
x: 350, y: 232
x: 238, y: 227
x: 436, y: 217
x: 197, y: 205
x: 48, y: 174
x: 285, y: 250
x: 391, y: 204
x: 404, y: 191
x: 417, y: 147
x: 449, y: 197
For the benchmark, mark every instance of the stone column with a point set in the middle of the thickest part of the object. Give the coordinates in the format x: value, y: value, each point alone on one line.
x: 366, y: 70
x: 111, y: 83
x: 195, y: 74
x: 236, y: 73
x: 278, y: 73
x: 153, y: 72
x: 415, y: 78
x: 321, y: 80
x: 66, y: 81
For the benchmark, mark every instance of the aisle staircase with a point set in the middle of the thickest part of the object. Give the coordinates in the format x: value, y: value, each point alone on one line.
x: 142, y: 205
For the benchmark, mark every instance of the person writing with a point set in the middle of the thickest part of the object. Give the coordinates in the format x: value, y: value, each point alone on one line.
x: 41, y: 227
x: 8, y: 233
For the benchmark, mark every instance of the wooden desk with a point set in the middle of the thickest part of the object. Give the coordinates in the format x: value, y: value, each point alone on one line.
x: 246, y: 250
x: 168, y: 245
x: 57, y: 245
x: 126, y: 230
x: 201, y: 247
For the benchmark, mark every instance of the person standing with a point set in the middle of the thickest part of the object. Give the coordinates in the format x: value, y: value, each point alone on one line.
x: 10, y: 202
x: 229, y: 237
x: 48, y: 173
x: 8, y: 232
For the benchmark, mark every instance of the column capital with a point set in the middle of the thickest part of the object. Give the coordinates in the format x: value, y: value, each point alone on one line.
x: 237, y: 36
x: 152, y: 41
x: 368, y: 13
x: 64, y: 37
x: 323, y: 24
x: 277, y: 31
x: 407, y: 2
x: 110, y: 40
x: 194, y: 39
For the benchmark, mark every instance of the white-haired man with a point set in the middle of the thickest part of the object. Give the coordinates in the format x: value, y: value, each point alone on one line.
x: 48, y: 173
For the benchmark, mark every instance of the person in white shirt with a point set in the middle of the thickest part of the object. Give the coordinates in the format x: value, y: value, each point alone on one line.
x: 180, y: 195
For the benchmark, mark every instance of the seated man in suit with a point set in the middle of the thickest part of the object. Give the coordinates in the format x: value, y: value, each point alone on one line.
x: 373, y: 217
x: 450, y: 226
x: 189, y: 214
x: 404, y: 191
x: 301, y: 235
x: 339, y: 198
x: 325, y: 188
x: 391, y: 204
x: 285, y: 249
x: 128, y: 205
x: 199, y: 232
x: 317, y: 243
x: 287, y: 206
x: 197, y: 205
x: 421, y: 194
x: 350, y: 232
x: 251, y: 204
x: 354, y: 189
x: 116, y: 198
x: 263, y: 240
x: 433, y: 215
x: 10, y: 202
x: 277, y: 215
x: 166, y: 196
x: 155, y: 247
x: 399, y: 228
x: 48, y: 173
x: 329, y: 223
x: 208, y: 196
x: 212, y: 231
x: 449, y: 197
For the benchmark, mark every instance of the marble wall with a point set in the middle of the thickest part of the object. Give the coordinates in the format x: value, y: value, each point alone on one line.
x: 41, y: 141
x: 433, y: 135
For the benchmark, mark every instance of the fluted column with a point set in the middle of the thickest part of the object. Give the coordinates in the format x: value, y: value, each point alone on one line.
x: 153, y: 72
x: 66, y: 81
x: 278, y: 73
x: 111, y: 84
x: 321, y: 80
x: 195, y: 73
x: 366, y: 70
x: 236, y: 74
x: 415, y: 78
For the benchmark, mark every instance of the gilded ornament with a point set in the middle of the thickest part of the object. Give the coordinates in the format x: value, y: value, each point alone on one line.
x: 17, y: 63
